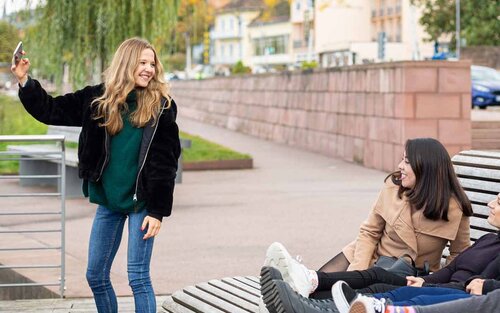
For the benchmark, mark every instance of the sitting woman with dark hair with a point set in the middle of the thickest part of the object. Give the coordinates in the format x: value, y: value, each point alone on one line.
x: 421, y: 208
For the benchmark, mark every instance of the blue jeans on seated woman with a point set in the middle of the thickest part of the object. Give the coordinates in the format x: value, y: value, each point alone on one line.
x: 409, y: 296
x: 105, y: 239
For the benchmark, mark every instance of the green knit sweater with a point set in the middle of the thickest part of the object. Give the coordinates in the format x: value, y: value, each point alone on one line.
x: 115, y: 189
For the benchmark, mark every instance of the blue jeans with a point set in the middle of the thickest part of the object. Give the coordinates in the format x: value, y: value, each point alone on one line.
x: 408, y: 296
x: 105, y: 239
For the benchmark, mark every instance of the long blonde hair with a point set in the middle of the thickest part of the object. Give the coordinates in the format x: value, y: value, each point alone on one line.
x: 119, y: 82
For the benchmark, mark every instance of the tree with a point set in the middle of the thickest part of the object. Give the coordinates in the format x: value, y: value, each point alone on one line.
x: 85, y: 33
x: 8, y: 41
x: 479, y: 20
x: 194, y: 18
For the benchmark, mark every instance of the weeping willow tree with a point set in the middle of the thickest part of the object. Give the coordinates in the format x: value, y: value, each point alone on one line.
x: 83, y: 34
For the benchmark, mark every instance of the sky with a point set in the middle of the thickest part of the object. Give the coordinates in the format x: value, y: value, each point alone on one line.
x: 15, y: 5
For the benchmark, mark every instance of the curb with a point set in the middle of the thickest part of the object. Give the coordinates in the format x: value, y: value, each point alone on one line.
x: 218, y: 165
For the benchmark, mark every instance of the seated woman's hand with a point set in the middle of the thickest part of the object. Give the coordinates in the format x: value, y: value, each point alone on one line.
x: 475, y: 287
x: 414, y: 281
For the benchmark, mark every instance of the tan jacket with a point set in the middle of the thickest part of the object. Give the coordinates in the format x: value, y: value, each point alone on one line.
x: 393, y: 229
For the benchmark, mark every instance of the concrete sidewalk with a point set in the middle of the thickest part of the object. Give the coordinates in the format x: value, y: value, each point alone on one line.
x: 223, y: 221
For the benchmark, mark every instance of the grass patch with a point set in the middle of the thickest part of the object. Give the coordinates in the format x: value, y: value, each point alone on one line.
x: 204, y: 150
x: 14, y: 120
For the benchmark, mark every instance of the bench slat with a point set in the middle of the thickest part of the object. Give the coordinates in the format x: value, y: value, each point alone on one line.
x: 476, y: 233
x: 235, y: 291
x: 71, y: 155
x: 482, y: 223
x: 193, y: 303
x: 213, y: 300
x: 242, y: 286
x: 173, y: 307
x: 483, y: 153
x: 477, y: 161
x: 479, y: 197
x: 71, y: 134
x: 468, y: 183
x: 479, y: 173
x: 222, y: 294
x: 248, y: 282
x: 253, y: 278
x: 480, y: 209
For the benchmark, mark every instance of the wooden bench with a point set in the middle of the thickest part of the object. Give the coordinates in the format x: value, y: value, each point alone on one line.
x: 231, y: 294
x: 47, y: 167
x: 479, y: 174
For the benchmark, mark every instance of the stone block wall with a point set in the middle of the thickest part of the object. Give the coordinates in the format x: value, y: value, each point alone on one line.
x: 362, y: 114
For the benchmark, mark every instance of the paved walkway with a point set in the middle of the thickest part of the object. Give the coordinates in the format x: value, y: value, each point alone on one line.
x: 223, y: 221
x: 75, y: 305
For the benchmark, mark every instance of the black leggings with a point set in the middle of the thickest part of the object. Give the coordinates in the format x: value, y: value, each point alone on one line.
x: 372, y: 280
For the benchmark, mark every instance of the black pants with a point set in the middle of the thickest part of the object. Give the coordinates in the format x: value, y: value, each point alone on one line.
x: 372, y: 280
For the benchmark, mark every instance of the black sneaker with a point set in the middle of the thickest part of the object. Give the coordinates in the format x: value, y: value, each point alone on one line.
x: 267, y: 275
x: 281, y: 298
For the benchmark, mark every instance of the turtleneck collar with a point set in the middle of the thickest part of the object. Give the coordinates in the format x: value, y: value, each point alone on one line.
x: 132, y: 96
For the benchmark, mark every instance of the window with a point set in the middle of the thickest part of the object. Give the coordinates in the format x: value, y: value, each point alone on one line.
x: 222, y: 51
x: 222, y: 26
x: 231, y: 50
x: 270, y: 45
x: 297, y: 5
x: 231, y: 24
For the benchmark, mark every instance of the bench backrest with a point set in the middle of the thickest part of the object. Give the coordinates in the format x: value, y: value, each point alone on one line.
x: 479, y: 174
x: 71, y: 133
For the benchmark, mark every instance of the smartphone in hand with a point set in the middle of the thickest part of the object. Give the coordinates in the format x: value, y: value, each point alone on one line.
x: 18, y: 53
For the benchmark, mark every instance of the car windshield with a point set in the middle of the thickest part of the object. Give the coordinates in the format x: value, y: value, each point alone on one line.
x: 482, y: 73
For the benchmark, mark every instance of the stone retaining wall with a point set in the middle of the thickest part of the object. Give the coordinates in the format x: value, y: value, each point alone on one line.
x: 360, y: 113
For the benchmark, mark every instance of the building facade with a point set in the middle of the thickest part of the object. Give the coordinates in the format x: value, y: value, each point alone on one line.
x: 302, y: 37
x: 229, y: 38
x: 362, y: 31
x: 270, y: 36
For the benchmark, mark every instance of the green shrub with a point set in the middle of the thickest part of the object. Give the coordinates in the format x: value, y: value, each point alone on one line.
x: 240, y: 68
x: 309, y: 65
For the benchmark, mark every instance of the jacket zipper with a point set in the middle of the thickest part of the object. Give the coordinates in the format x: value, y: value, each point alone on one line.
x: 146, y: 155
x: 105, y: 153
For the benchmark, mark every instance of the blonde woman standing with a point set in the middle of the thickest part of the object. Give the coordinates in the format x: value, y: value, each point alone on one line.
x: 128, y: 152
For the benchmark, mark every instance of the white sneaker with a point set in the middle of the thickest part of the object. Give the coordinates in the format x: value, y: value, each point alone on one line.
x: 339, y: 297
x: 364, y: 304
x: 299, y: 277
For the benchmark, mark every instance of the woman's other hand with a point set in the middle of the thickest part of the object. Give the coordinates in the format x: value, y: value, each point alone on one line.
x: 153, y: 226
x: 20, y: 69
x: 475, y: 287
x: 414, y: 281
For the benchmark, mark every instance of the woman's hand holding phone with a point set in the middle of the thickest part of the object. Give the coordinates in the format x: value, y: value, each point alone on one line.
x: 20, y: 66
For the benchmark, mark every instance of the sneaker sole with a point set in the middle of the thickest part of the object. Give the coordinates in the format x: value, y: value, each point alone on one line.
x: 267, y: 275
x: 358, y: 307
x: 338, y: 297
x: 277, y: 300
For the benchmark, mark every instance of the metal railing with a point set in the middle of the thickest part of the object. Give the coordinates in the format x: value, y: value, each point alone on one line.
x: 28, y: 156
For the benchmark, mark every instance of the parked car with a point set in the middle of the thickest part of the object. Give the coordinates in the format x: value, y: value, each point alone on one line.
x: 485, y: 86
